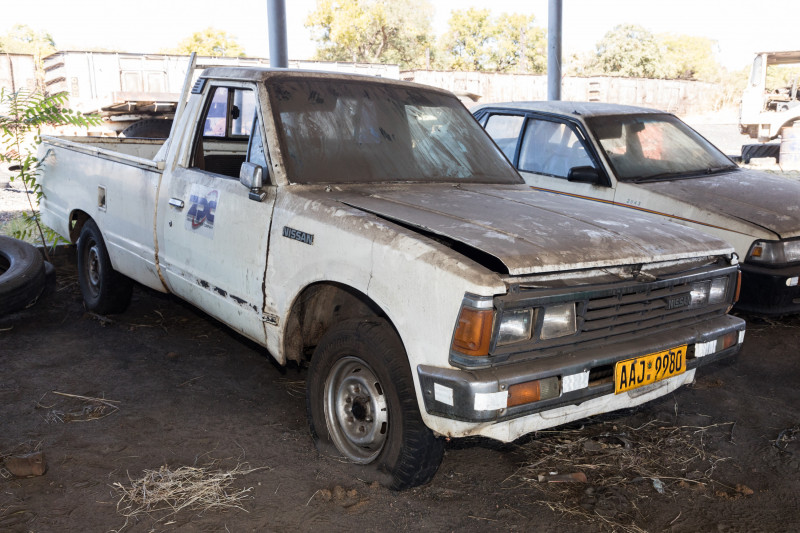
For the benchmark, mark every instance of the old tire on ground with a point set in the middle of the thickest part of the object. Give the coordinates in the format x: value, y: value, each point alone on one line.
x: 148, y: 128
x: 22, y: 274
x: 104, y: 290
x: 361, y: 405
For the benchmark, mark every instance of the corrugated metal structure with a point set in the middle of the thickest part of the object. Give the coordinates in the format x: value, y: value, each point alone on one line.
x: 17, y: 71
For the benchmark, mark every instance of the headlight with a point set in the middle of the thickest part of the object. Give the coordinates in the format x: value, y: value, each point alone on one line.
x: 774, y: 252
x: 558, y: 321
x: 515, y: 326
x: 709, y: 292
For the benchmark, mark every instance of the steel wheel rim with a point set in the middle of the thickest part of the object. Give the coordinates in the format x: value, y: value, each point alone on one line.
x: 93, y: 268
x: 355, y: 410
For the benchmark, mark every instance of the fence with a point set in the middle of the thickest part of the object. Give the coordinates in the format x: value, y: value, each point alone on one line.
x: 676, y: 96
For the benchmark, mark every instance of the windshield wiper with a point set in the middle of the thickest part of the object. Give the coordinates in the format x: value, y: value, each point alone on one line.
x: 669, y: 176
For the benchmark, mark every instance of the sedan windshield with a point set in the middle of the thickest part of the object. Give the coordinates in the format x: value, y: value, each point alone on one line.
x: 655, y: 146
x: 335, y: 131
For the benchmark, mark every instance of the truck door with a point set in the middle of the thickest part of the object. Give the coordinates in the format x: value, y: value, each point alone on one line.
x: 214, y: 237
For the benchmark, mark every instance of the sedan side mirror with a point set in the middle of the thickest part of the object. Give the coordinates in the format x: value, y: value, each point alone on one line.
x: 252, y: 177
x: 585, y: 174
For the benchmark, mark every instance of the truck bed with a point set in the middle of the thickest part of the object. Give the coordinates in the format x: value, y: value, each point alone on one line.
x: 122, y: 150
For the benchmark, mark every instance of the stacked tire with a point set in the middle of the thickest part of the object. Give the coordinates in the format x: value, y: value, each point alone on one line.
x: 22, y: 275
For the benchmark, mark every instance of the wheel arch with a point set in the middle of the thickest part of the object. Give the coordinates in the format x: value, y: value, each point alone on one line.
x: 77, y: 219
x: 319, y: 306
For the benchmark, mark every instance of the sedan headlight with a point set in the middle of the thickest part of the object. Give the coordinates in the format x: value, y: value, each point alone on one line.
x: 774, y: 252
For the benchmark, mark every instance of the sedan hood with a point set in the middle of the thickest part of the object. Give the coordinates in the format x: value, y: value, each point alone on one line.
x: 761, y: 199
x: 534, y: 232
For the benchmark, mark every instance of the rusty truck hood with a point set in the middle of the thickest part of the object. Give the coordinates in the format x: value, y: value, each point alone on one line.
x: 533, y: 232
x: 761, y: 199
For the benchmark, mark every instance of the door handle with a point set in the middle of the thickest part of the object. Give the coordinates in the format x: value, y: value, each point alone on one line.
x: 176, y: 202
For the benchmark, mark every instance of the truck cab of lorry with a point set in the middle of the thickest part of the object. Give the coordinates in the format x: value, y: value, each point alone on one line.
x: 765, y: 110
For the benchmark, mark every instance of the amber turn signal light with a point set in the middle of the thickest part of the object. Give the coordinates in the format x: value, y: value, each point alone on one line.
x: 523, y: 393
x: 738, y: 287
x: 473, y: 332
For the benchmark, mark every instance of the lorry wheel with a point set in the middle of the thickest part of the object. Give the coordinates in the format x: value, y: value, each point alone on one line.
x: 148, y: 128
x: 104, y: 290
x: 22, y: 274
x: 361, y: 404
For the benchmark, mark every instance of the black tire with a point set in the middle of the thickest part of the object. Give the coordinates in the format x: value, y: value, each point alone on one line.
x: 104, y: 290
x: 22, y: 275
x: 361, y: 405
x: 149, y: 128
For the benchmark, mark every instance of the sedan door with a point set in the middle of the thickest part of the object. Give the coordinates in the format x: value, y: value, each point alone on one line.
x: 551, y: 155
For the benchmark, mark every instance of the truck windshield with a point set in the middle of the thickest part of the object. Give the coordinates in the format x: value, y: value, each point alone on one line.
x: 654, y: 146
x: 336, y: 131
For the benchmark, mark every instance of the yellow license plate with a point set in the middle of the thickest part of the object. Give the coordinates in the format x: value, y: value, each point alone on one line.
x: 641, y: 371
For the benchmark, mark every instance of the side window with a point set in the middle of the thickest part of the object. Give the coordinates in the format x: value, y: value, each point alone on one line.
x: 504, y: 129
x: 552, y: 148
x: 223, y: 142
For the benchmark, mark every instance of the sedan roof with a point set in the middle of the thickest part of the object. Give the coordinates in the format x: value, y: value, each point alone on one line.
x: 574, y: 109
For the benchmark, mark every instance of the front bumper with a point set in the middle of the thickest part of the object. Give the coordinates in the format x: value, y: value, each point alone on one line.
x: 477, y: 396
x: 764, y: 290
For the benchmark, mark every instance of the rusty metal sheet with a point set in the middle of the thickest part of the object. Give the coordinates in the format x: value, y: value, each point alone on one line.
x: 534, y: 232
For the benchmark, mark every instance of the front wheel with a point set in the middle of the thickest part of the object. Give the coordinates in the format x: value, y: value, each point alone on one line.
x: 362, y: 405
x: 104, y: 290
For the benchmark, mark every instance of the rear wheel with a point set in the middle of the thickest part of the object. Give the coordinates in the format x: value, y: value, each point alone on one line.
x: 104, y: 290
x: 362, y: 405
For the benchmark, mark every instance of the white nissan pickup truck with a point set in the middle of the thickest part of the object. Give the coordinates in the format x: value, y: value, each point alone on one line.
x: 372, y: 229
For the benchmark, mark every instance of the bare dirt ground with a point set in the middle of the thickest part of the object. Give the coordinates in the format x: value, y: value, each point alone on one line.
x: 166, y: 399
x: 163, y: 386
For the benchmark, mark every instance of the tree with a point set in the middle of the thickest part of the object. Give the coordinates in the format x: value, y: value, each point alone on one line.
x: 521, y: 46
x: 509, y: 43
x: 22, y: 116
x: 374, y: 31
x: 629, y: 50
x: 209, y: 42
x: 689, y: 58
x: 467, y: 44
x: 22, y: 39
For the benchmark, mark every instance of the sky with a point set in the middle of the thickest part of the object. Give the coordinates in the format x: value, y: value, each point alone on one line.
x: 741, y: 27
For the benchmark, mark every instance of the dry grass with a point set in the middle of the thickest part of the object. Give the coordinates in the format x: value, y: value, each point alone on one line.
x: 77, y: 408
x: 623, y: 465
x: 294, y: 388
x: 160, y: 494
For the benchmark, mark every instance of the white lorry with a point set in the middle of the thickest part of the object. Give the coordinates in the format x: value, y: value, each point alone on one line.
x: 372, y: 228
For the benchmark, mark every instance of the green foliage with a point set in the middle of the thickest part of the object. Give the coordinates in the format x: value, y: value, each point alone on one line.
x: 23, y: 114
x: 782, y: 76
x: 209, y: 42
x: 631, y: 51
x: 478, y: 42
x: 374, y: 31
x: 468, y: 42
x: 689, y: 58
x: 22, y: 39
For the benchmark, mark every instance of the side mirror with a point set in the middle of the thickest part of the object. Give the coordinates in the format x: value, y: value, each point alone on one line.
x: 252, y: 177
x: 585, y: 174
